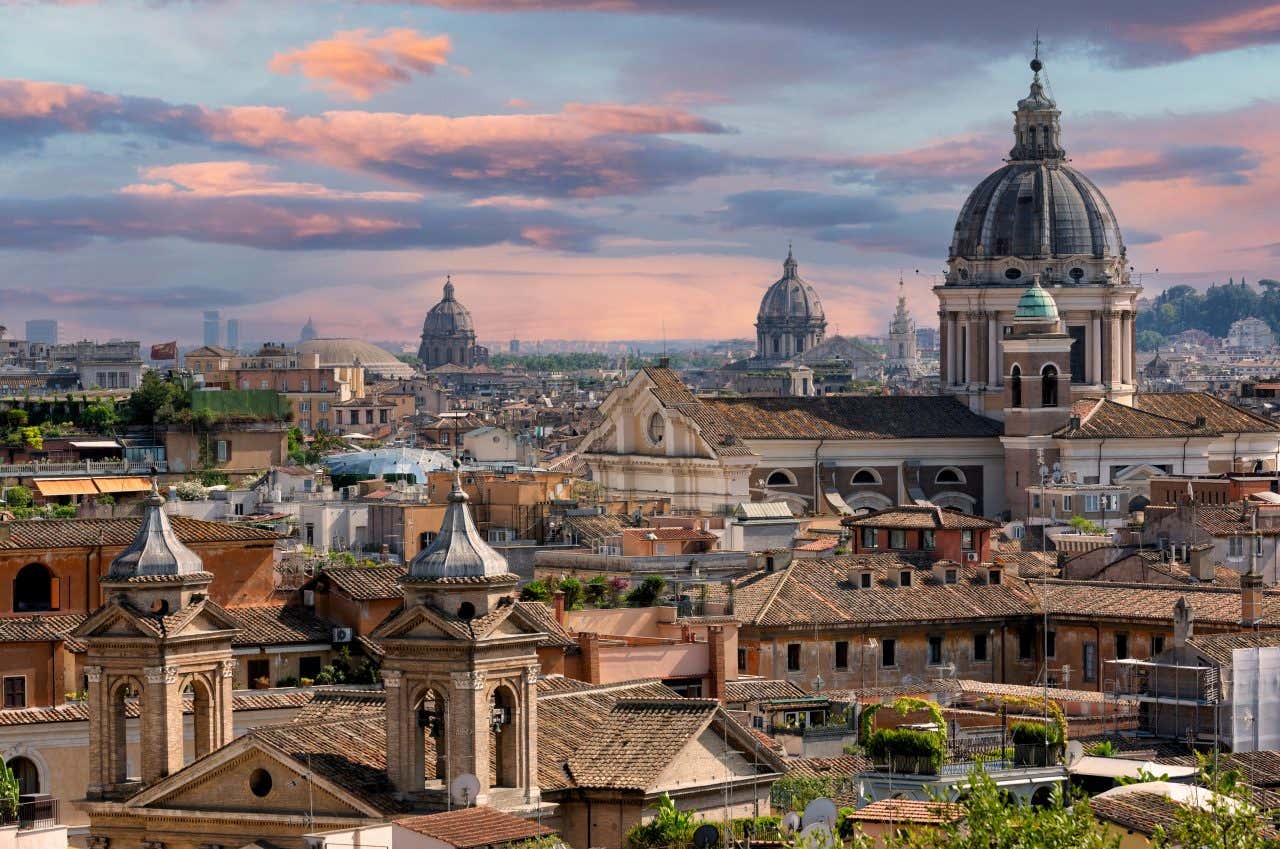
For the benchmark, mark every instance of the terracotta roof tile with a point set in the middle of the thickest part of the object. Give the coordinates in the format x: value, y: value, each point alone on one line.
x: 1114, y: 600
x: 852, y: 417
x: 1136, y: 811
x: 365, y: 583
x: 913, y: 517
x: 913, y: 811
x: 1220, y: 647
x: 39, y: 628
x: 591, y: 528
x: 352, y: 753
x: 754, y: 690
x: 468, y: 828
x: 279, y: 624
x: 79, y: 533
x: 669, y: 534
x: 1157, y: 415
x: 638, y: 740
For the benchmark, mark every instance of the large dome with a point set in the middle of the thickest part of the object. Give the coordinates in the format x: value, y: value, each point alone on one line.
x: 342, y: 352
x: 1036, y: 215
x: 791, y: 298
x: 448, y: 317
x: 1036, y: 210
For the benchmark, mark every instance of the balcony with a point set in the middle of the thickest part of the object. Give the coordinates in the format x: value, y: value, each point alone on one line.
x: 37, y: 825
x: 83, y: 468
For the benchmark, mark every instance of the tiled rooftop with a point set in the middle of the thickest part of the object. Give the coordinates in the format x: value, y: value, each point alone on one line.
x: 279, y: 624
x: 913, y: 517
x: 79, y: 533
x: 468, y: 828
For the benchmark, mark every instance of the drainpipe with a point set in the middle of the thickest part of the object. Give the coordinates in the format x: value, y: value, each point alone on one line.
x: 817, y: 477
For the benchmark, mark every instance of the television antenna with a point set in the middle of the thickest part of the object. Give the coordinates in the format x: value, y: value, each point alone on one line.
x: 464, y: 789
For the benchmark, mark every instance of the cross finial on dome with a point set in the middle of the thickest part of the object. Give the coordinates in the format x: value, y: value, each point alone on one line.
x: 789, y: 265
x: 1036, y: 64
x: 448, y: 287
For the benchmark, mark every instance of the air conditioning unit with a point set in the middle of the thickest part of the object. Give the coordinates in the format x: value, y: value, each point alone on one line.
x: 343, y: 635
x: 309, y: 598
x: 971, y: 556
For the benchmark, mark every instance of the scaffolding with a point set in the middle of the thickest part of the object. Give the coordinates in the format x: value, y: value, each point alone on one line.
x: 1176, y: 700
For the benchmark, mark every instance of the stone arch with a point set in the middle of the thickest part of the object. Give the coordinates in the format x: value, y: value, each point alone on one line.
x: 204, y: 708
x: 1049, y: 385
x: 866, y: 502
x: 781, y: 477
x: 116, y: 737
x: 959, y: 500
x: 866, y: 475
x: 430, y: 705
x: 949, y: 475
x: 33, y: 589
x: 1015, y: 386
x: 505, y: 732
x: 29, y: 769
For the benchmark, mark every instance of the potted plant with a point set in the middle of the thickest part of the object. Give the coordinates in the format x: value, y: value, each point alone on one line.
x: 906, y: 750
x: 9, y: 793
x: 1036, y: 743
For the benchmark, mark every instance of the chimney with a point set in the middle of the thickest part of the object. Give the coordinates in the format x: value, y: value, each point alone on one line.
x: 558, y: 602
x: 589, y: 645
x: 1250, y: 598
x: 1183, y: 623
x: 1200, y: 563
x: 716, y: 660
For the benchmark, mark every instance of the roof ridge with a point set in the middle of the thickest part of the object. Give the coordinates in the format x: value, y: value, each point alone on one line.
x: 773, y: 594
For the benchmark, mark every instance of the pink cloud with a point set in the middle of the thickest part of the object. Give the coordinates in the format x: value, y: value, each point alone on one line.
x: 241, y: 179
x: 1226, y: 32
x: 357, y: 64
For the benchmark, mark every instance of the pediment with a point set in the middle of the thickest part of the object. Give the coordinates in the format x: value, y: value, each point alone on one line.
x: 419, y: 623
x: 115, y: 620
x: 249, y: 777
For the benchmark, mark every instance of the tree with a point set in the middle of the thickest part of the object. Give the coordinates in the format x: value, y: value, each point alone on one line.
x: 535, y: 591
x: 670, y: 826
x: 647, y: 593
x: 16, y: 418
x: 1228, y: 819
x: 155, y: 399
x: 99, y: 417
x: 1150, y: 340
x: 572, y: 589
x: 18, y: 496
x: 992, y: 820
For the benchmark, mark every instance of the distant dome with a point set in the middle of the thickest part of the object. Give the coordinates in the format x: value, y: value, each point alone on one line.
x: 448, y: 317
x: 792, y: 297
x: 341, y: 352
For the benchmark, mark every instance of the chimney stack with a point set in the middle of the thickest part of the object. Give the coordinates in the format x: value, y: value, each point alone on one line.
x: 589, y: 645
x: 558, y: 601
x: 1201, y: 563
x: 1183, y: 623
x: 716, y: 660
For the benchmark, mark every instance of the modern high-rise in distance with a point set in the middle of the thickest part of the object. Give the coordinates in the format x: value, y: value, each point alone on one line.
x: 233, y: 334
x: 44, y: 330
x: 212, y: 327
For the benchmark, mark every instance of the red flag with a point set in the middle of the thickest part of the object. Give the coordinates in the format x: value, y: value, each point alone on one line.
x: 165, y: 351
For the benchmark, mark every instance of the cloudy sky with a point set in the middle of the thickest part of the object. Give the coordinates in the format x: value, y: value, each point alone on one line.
x: 594, y: 169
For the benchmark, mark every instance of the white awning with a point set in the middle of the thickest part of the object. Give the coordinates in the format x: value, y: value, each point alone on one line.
x: 94, y: 443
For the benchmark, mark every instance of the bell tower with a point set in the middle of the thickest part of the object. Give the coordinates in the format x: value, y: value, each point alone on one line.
x: 157, y: 639
x: 461, y: 673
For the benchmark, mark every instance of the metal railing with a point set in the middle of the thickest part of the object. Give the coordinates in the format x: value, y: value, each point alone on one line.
x: 35, y: 811
x: 84, y: 467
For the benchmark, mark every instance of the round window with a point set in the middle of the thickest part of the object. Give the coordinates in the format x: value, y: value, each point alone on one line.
x: 1013, y: 273
x: 657, y: 428
x: 260, y: 782
x: 1076, y: 273
x: 466, y: 611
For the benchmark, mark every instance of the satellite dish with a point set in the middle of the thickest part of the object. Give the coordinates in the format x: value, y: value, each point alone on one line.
x: 1075, y: 751
x: 821, y: 810
x: 790, y: 823
x: 706, y: 836
x: 464, y: 789
x: 819, y: 835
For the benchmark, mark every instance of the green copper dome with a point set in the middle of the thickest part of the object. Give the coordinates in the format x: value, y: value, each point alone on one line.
x: 1036, y: 305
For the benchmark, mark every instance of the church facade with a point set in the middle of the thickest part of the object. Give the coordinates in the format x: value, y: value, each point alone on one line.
x: 1037, y: 376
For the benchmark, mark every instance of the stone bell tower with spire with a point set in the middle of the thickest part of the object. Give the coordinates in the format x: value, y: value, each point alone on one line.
x: 903, y: 361
x: 461, y: 672
x: 157, y: 637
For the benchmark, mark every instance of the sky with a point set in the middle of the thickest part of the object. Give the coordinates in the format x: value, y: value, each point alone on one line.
x: 591, y: 169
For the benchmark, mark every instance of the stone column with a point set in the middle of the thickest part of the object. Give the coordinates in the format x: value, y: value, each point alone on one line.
x: 162, y: 753
x: 224, y: 723
x: 994, y: 370
x: 469, y: 735
x: 399, y: 757
x: 1095, y: 349
x: 99, y: 733
x: 1133, y: 348
x: 949, y: 352
x: 1115, y: 355
x: 529, y: 734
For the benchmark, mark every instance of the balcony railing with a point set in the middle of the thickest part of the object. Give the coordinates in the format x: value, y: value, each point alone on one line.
x: 34, y: 811
x: 84, y: 467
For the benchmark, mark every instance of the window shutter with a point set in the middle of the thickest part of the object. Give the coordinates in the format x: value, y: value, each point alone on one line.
x: 55, y: 593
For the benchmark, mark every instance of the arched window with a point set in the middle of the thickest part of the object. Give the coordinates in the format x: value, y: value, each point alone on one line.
x: 28, y: 776
x: 866, y: 476
x: 1015, y: 386
x: 34, y: 589
x: 777, y: 344
x: 1049, y: 386
x: 781, y: 477
x: 949, y: 475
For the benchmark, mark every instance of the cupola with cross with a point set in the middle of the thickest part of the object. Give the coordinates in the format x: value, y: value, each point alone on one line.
x: 461, y: 672
x: 157, y: 640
